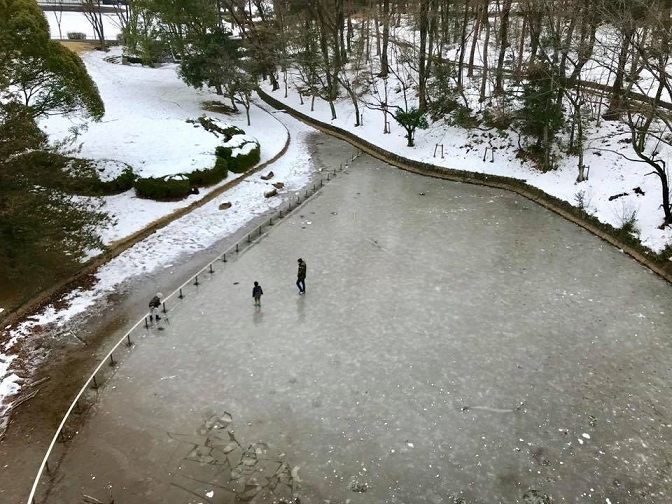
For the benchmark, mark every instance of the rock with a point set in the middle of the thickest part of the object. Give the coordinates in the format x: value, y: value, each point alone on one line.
x: 224, y: 206
x: 268, y: 176
x: 271, y: 193
x: 279, y: 185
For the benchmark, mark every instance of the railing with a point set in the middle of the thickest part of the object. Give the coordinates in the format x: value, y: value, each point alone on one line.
x: 57, y: 3
x: 95, y: 380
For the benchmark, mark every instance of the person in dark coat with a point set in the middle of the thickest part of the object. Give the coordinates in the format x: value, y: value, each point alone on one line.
x: 301, y: 277
x: 154, y: 305
x: 257, y: 292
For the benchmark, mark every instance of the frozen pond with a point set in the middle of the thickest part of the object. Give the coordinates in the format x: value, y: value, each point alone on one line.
x: 455, y: 342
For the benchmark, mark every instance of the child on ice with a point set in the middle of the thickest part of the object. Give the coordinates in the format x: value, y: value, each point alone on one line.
x: 256, y: 294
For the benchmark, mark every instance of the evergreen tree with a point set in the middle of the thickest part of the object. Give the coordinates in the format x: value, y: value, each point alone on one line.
x: 411, y: 120
x: 541, y: 115
x: 44, y: 232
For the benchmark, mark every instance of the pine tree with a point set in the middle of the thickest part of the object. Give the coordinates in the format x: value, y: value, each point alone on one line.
x: 44, y: 232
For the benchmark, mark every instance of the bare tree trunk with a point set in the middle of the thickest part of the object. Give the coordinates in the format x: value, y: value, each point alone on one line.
x: 474, y: 41
x: 422, y: 63
x: 503, y: 46
x: 463, y: 45
x: 616, y: 104
x: 535, y: 31
x: 484, y: 77
x: 521, y: 51
x: 58, y: 15
x: 340, y: 28
x: 384, y: 64
x: 586, y: 42
x: 92, y: 12
x: 433, y: 17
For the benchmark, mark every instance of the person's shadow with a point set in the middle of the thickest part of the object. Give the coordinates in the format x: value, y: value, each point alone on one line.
x: 258, y: 315
x: 300, y: 309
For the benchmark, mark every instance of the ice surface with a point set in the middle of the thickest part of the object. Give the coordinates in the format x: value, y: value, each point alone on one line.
x: 446, y: 346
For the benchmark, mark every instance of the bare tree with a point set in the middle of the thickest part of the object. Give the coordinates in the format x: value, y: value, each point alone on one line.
x: 58, y: 16
x: 650, y: 125
x: 94, y: 14
x: 503, y: 46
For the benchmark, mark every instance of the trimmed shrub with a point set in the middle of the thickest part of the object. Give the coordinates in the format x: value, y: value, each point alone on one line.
x: 168, y: 188
x: 84, y: 180
x: 73, y: 175
x: 242, y: 162
x: 223, y: 152
x: 204, y: 178
x: 76, y: 36
x: 120, y: 184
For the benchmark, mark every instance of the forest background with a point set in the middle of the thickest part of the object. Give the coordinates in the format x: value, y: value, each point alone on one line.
x: 548, y: 82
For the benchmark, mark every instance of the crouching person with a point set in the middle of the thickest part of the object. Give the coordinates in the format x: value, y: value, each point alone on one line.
x: 154, y: 306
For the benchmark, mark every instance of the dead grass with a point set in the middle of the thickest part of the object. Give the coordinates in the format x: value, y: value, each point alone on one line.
x: 79, y: 46
x: 218, y: 107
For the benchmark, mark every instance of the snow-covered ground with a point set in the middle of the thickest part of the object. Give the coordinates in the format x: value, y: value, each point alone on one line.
x: 145, y: 126
x: 76, y: 22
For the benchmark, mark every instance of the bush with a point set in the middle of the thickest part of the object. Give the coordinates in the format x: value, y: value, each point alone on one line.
x: 462, y: 117
x: 168, y: 188
x: 242, y: 162
x: 120, y: 184
x: 204, y: 178
x: 76, y: 36
x: 441, y: 108
x: 83, y: 179
x: 73, y: 175
x: 535, y: 155
x: 132, y: 60
x: 498, y: 119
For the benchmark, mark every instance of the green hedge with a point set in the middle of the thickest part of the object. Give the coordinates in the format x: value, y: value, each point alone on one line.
x: 242, y: 162
x: 83, y: 179
x: 179, y: 186
x: 72, y: 175
x: 211, y: 176
x: 120, y: 184
x: 168, y: 188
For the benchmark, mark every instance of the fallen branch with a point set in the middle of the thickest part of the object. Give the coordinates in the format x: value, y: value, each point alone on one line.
x: 39, y: 382
x: 24, y: 398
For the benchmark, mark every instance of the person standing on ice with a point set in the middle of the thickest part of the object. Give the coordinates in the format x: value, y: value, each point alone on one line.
x: 154, y: 305
x: 257, y: 292
x: 301, y: 277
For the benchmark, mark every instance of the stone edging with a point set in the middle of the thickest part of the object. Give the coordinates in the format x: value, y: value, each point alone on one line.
x: 116, y: 248
x: 661, y: 268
